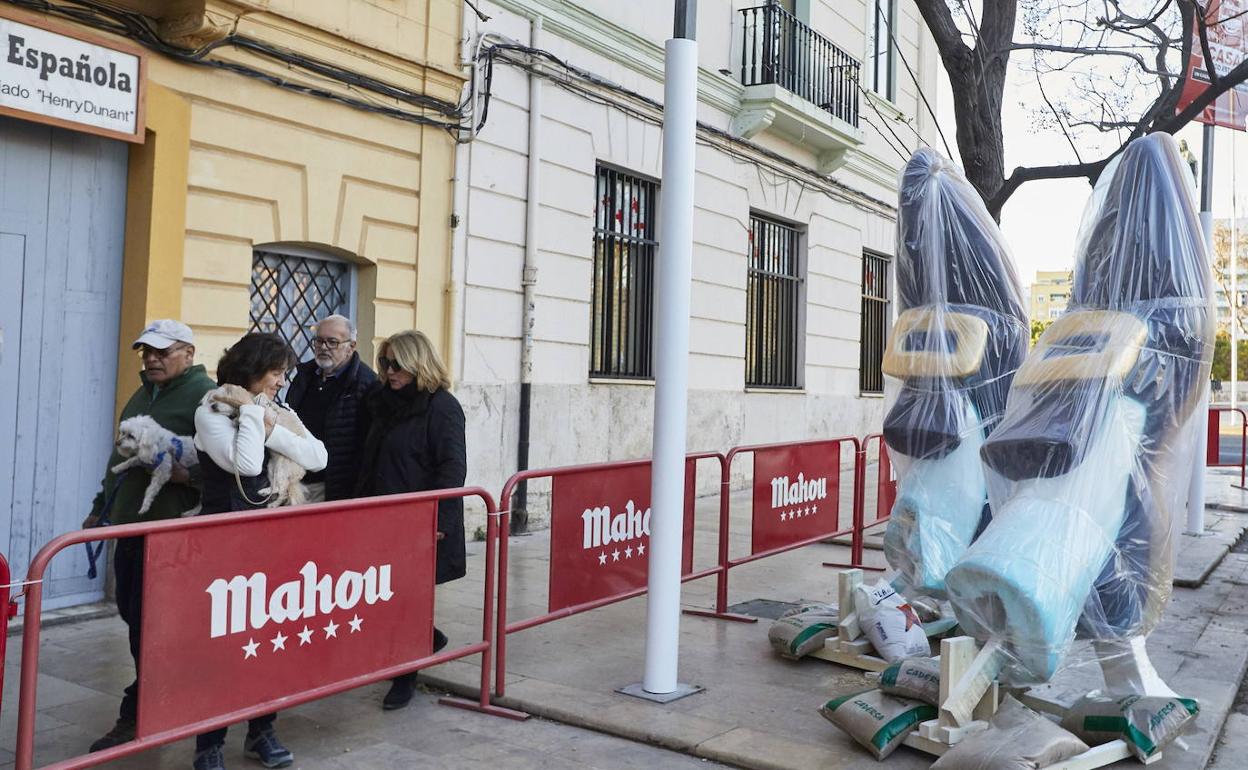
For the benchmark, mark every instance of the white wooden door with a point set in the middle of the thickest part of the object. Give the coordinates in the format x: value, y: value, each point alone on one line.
x: 62, y: 219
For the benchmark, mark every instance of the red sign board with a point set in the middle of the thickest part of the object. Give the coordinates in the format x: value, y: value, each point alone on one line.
x: 600, y: 532
x: 796, y: 494
x: 1226, y: 22
x: 250, y: 612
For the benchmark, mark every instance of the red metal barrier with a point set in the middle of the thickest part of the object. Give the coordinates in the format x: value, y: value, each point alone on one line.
x: 782, y: 500
x: 885, y: 495
x: 595, y: 509
x: 181, y: 554
x: 7, y: 610
x: 1213, y: 453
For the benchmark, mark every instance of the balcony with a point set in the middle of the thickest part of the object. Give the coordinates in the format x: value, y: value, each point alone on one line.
x: 798, y: 85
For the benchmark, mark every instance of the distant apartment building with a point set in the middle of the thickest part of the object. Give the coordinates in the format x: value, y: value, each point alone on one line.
x: 1222, y: 273
x: 1049, y: 294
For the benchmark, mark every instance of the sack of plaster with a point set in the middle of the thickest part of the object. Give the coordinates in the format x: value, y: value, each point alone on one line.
x: 1147, y: 723
x: 917, y: 678
x: 1017, y: 738
x: 803, y: 630
x: 878, y: 721
x: 889, y: 623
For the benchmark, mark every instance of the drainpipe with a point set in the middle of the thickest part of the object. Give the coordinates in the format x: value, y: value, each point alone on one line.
x: 528, y: 282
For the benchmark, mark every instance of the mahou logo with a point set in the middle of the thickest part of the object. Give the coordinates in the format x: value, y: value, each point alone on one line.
x: 786, y: 494
x: 601, y: 528
x: 245, y: 604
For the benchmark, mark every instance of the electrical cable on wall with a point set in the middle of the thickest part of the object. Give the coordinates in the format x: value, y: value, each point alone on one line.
x: 650, y: 110
x: 137, y: 27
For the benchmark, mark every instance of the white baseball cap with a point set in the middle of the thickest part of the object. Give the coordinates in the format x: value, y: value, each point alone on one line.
x: 163, y: 333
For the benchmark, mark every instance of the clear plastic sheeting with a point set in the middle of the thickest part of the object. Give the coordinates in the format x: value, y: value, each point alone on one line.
x: 960, y: 335
x: 1088, y: 470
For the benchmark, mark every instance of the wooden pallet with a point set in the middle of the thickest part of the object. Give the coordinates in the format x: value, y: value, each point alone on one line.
x: 849, y: 647
x: 969, y: 696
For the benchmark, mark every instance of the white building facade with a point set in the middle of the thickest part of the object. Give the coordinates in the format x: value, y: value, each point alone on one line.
x: 806, y: 109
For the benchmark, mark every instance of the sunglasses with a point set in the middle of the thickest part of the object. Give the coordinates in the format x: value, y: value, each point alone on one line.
x: 329, y: 343
x: 146, y: 351
x: 388, y: 364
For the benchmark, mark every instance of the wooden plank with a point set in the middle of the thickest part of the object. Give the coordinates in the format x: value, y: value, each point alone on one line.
x: 1099, y: 756
x: 969, y: 684
x: 846, y: 581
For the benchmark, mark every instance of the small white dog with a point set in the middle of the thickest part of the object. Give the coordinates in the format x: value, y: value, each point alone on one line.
x: 142, y: 441
x: 285, y: 475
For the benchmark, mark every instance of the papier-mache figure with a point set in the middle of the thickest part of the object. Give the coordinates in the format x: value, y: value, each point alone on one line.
x: 960, y: 336
x: 1090, y: 466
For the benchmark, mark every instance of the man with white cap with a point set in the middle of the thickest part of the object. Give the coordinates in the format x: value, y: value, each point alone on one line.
x: 172, y: 386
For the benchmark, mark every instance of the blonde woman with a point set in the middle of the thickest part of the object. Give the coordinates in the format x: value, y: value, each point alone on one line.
x: 415, y: 442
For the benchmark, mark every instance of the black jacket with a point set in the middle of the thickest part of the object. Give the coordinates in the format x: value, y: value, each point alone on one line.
x: 345, y: 424
x: 415, y: 442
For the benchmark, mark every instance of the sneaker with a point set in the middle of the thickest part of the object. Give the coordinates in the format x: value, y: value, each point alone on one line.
x: 402, y: 689
x: 122, y: 732
x: 210, y: 758
x: 268, y: 749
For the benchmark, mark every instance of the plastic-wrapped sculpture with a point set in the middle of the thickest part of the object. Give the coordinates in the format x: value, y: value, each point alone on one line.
x: 1089, y: 467
x: 960, y: 336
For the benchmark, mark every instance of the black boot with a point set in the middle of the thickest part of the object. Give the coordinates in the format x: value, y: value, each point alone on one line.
x: 439, y: 640
x: 402, y: 688
x: 122, y: 732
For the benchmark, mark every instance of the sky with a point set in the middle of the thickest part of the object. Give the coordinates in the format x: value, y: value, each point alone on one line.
x: 1041, y: 220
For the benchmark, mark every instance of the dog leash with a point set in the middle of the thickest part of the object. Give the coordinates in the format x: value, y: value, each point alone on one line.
x: 93, y: 553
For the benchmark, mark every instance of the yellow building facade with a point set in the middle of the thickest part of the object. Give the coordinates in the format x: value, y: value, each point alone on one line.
x: 1049, y: 294
x: 296, y: 158
x: 233, y: 163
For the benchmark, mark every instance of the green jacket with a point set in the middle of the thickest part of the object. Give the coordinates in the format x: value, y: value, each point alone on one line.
x: 173, y: 406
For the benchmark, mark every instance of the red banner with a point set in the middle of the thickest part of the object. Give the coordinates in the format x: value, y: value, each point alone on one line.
x: 250, y: 612
x: 1226, y: 22
x: 796, y: 494
x: 600, y: 532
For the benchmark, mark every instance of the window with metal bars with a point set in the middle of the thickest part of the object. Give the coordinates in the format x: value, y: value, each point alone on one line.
x: 874, y: 331
x: 291, y: 291
x: 883, y: 33
x: 774, y: 294
x: 621, y: 344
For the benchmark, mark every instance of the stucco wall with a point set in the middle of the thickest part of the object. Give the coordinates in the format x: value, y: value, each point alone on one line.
x: 576, y: 419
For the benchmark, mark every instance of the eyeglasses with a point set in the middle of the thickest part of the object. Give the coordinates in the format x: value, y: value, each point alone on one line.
x: 146, y: 351
x: 329, y: 343
x: 388, y: 364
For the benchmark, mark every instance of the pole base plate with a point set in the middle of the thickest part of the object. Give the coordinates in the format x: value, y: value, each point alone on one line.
x: 681, y: 691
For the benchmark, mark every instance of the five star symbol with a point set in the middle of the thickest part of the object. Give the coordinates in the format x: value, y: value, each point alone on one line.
x: 638, y: 550
x: 252, y: 648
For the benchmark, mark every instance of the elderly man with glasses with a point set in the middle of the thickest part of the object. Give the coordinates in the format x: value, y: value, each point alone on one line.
x: 172, y: 385
x: 327, y: 393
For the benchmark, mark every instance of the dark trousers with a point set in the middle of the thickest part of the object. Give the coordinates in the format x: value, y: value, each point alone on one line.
x: 128, y: 569
x: 217, y: 737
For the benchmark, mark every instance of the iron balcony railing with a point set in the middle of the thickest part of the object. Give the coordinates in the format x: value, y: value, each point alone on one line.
x: 780, y: 50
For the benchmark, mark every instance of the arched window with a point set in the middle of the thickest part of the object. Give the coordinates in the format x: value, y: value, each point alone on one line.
x: 293, y: 286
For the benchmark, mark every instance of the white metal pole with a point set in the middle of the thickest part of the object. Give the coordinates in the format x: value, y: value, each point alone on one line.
x: 671, y: 331
x: 1195, y: 520
x: 1234, y: 298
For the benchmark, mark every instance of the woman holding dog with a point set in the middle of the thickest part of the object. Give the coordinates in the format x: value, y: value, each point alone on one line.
x: 236, y: 443
x: 415, y: 442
